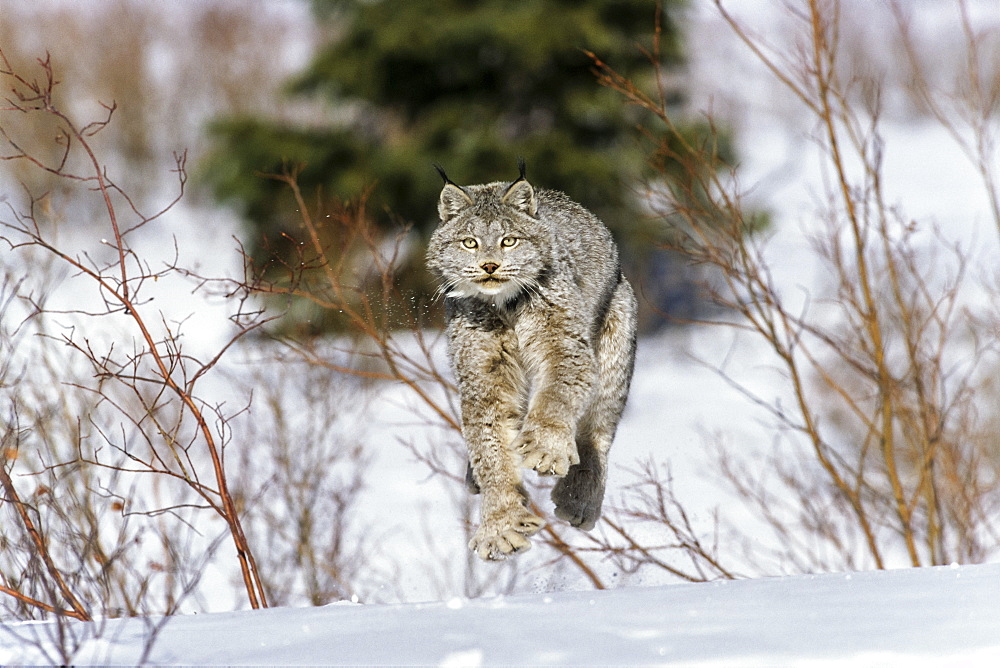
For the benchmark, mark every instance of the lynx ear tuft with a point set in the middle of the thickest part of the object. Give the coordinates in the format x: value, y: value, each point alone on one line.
x: 454, y: 198
x: 453, y: 201
x: 521, y: 195
x: 444, y: 177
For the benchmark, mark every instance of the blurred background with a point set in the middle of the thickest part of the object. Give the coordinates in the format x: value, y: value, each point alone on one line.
x: 366, y: 96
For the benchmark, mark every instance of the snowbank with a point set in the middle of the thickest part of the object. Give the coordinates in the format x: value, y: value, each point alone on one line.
x: 932, y: 616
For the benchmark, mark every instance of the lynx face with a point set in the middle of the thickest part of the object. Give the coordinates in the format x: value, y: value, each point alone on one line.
x: 489, y: 244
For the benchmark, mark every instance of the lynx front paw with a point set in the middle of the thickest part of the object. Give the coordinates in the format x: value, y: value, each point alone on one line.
x: 499, y: 538
x: 546, y: 450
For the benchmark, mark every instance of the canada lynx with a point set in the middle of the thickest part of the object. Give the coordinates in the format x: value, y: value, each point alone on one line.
x: 541, y: 332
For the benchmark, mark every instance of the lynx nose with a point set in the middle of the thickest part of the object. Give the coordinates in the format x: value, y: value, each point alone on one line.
x: 489, y: 267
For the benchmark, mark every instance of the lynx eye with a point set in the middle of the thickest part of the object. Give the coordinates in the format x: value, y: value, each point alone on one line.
x: 509, y: 242
x: 470, y: 243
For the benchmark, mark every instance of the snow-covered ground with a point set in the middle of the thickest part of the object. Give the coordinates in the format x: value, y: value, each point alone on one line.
x: 947, y: 616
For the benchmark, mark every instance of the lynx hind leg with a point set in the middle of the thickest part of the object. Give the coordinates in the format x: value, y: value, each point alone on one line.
x: 580, y: 495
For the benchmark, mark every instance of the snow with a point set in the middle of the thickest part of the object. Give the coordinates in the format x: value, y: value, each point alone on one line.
x: 914, y: 617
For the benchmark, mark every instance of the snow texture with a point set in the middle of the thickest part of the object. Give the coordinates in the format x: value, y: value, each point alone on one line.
x: 914, y: 617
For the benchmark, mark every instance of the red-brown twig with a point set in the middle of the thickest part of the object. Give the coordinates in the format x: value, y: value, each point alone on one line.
x: 34, y: 97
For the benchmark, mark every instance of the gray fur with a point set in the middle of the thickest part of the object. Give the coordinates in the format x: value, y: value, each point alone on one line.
x: 541, y: 331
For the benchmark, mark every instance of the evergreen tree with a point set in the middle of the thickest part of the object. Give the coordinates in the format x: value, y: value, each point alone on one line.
x: 472, y: 85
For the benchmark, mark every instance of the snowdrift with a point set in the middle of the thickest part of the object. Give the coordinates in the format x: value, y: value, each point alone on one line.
x: 932, y: 616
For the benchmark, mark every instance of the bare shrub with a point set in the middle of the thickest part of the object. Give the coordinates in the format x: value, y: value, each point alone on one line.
x: 886, y: 454
x: 172, y: 67
x: 965, y: 99
x: 302, y: 483
x: 128, y: 416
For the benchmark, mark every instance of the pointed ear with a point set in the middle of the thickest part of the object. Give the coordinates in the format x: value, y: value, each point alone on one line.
x: 521, y: 196
x: 453, y: 201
